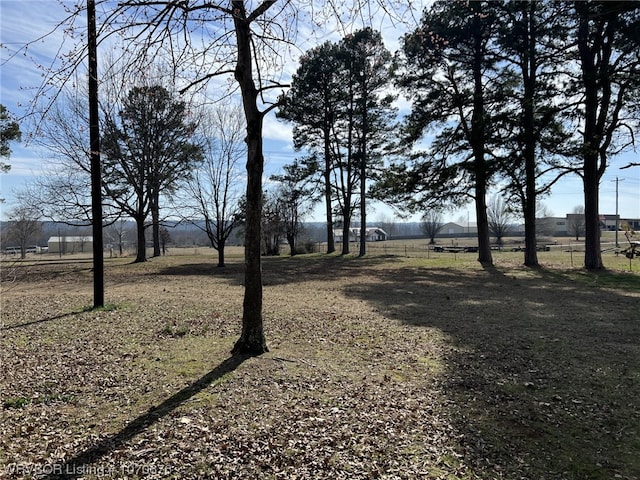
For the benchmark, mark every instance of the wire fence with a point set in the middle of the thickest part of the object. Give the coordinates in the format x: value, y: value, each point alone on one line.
x: 570, y: 254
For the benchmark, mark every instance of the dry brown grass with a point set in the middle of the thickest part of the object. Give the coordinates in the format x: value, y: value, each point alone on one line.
x: 380, y: 367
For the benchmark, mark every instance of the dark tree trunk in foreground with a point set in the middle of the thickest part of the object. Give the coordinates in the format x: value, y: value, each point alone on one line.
x: 484, y: 237
x: 591, y: 180
x: 141, y: 250
x: 96, y: 175
x: 529, y: 70
x: 478, y: 141
x: 331, y: 246
x: 221, y: 254
x: 346, y: 233
x: 252, y: 340
x: 155, y: 224
x: 530, y: 241
x: 591, y: 61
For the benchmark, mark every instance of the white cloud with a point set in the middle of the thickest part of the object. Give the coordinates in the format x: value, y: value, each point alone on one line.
x: 274, y: 129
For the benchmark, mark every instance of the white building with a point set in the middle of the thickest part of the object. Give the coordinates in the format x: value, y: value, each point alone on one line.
x: 373, y: 234
x: 71, y: 244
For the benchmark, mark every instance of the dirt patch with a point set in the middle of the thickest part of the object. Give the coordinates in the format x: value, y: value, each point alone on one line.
x: 380, y: 367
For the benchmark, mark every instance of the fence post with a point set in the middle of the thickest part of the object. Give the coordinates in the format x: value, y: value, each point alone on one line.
x: 571, y: 252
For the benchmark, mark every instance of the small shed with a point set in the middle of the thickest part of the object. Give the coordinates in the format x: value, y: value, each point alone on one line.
x: 71, y: 244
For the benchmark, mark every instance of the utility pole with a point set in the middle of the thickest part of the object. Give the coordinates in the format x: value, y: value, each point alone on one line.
x: 617, y: 180
x: 96, y: 178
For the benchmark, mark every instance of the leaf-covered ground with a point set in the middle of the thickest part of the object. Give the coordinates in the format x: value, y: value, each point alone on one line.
x: 378, y: 368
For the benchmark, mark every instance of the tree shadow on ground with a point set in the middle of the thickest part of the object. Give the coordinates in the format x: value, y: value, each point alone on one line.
x: 282, y: 270
x: 542, y: 373
x: 75, y: 467
x: 32, y: 272
x: 232, y: 269
x: 41, y: 320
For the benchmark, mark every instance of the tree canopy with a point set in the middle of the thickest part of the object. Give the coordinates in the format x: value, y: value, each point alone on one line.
x: 448, y: 71
x: 515, y: 95
x: 349, y: 79
x: 147, y: 149
x: 9, y: 132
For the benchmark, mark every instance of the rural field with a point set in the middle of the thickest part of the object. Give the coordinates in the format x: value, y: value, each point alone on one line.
x: 393, y: 366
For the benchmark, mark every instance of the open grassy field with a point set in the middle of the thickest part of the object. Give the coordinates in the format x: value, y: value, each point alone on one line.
x: 379, y: 367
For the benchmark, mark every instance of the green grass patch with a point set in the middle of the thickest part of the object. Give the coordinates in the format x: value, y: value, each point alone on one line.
x: 16, y: 402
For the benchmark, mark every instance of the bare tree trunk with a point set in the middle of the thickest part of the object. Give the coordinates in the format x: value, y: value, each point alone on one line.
x: 331, y: 246
x: 221, y: 253
x: 592, y: 254
x: 155, y: 223
x: 592, y: 138
x: 477, y: 141
x: 141, y: 250
x: 96, y: 169
x: 291, y: 240
x: 484, y: 238
x: 346, y: 231
x: 530, y: 241
x: 363, y: 177
x: 252, y: 340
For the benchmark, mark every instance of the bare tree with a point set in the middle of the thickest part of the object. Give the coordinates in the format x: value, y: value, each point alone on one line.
x: 544, y: 223
x: 24, y: 226
x: 273, y: 225
x: 431, y: 224
x: 245, y: 48
x: 117, y: 233
x: 388, y: 224
x: 499, y: 217
x: 165, y: 238
x: 575, y: 222
x: 215, y: 185
x: 63, y: 191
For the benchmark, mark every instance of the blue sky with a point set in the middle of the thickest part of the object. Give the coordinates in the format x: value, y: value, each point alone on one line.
x: 23, y: 21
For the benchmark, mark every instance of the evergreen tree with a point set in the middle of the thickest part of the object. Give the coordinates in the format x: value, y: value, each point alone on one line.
x: 533, y: 38
x: 350, y: 129
x: 9, y: 131
x: 313, y: 105
x: 296, y: 195
x: 608, y: 52
x: 448, y: 70
x: 368, y: 67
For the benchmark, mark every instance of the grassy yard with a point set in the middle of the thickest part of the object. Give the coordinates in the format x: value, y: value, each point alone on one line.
x: 379, y: 367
